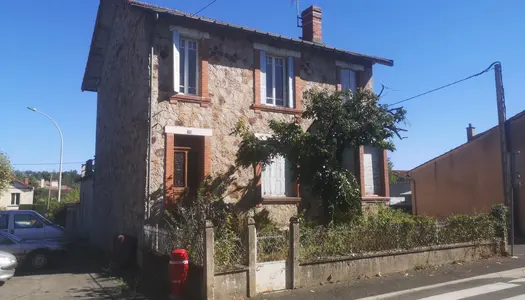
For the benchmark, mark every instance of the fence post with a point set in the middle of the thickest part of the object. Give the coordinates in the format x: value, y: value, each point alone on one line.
x: 293, y: 252
x: 252, y: 257
x: 209, y: 261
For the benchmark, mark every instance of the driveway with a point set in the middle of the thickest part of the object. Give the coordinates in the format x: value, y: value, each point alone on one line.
x: 76, y: 276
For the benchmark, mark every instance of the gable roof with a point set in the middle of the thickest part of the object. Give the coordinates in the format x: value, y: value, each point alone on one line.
x: 104, y: 24
x: 477, y: 136
x: 16, y: 182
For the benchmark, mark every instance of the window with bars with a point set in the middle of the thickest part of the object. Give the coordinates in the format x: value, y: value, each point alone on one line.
x: 180, y: 168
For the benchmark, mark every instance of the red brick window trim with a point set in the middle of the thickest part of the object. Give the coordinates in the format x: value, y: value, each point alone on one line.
x: 385, y: 187
x: 260, y: 81
x: 201, y: 96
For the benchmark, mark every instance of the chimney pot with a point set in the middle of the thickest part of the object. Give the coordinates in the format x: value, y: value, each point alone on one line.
x: 471, y: 132
x: 312, y: 24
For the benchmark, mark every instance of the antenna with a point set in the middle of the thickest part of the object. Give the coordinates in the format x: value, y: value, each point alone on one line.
x: 299, y: 19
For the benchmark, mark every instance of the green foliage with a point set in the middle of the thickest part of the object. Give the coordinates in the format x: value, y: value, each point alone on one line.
x: 72, y: 196
x: 341, y: 120
x: 392, y: 230
x: 6, y: 172
x: 392, y: 178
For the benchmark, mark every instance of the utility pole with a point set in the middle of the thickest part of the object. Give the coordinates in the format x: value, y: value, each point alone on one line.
x: 504, y: 145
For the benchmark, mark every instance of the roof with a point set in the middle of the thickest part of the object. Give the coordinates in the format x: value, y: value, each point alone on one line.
x: 104, y: 23
x: 477, y: 136
x: 16, y: 181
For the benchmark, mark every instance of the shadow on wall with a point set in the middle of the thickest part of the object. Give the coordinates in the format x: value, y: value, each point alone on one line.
x: 211, y: 189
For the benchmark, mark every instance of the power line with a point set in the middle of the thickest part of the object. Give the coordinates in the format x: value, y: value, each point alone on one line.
x: 447, y: 85
x: 205, y: 7
x: 42, y: 164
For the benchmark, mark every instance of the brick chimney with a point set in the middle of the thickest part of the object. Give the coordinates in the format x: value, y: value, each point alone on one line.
x: 312, y: 25
x: 471, y: 132
x: 26, y: 180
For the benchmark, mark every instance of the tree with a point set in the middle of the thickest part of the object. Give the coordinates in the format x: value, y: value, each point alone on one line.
x: 341, y: 120
x: 72, y: 196
x: 6, y: 172
x: 392, y: 178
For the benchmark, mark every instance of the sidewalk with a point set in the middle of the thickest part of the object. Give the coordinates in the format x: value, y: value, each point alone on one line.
x: 402, y: 281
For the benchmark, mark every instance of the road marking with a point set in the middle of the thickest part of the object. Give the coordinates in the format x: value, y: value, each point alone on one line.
x: 519, y: 297
x: 518, y: 280
x: 471, y: 292
x: 509, y: 273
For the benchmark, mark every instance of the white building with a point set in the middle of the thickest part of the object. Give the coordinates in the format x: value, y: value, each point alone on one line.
x: 17, y: 193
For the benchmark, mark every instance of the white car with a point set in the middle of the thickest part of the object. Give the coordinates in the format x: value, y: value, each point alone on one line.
x: 8, y: 265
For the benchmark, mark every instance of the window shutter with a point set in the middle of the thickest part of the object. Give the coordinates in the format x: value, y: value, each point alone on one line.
x: 353, y: 81
x: 262, y: 68
x: 278, y: 176
x: 266, y: 180
x: 290, y: 82
x: 176, y: 61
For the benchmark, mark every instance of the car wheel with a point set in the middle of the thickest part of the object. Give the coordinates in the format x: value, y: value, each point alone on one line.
x: 39, y: 260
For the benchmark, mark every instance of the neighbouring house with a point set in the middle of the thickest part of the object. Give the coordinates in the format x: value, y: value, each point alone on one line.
x: 170, y: 88
x: 469, y: 178
x: 18, y: 192
x: 400, y: 193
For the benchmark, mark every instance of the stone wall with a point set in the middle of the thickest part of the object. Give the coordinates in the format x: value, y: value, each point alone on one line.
x: 231, y: 89
x: 122, y: 130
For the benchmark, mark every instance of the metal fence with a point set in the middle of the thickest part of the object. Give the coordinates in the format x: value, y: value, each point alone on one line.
x: 272, y: 246
x: 163, y: 241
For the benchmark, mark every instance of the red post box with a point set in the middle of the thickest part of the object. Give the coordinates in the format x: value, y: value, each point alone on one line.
x: 178, y: 270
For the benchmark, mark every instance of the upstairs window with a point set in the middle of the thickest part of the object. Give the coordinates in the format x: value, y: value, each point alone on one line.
x: 348, y: 79
x: 277, y: 80
x: 188, y: 62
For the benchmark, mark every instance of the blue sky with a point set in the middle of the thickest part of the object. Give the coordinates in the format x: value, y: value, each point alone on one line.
x: 45, y: 45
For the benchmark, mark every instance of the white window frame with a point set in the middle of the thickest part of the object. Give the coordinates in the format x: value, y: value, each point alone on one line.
x: 17, y: 196
x: 186, y: 67
x: 285, y: 76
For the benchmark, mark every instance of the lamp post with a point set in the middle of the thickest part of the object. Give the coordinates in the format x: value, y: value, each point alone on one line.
x: 61, y: 148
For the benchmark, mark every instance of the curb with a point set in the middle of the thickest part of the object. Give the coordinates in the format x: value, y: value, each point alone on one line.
x: 518, y: 272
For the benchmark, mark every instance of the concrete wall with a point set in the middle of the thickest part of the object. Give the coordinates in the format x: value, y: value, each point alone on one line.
x: 468, y: 179
x: 231, y: 285
x: 26, y: 196
x: 352, y: 269
x: 122, y: 129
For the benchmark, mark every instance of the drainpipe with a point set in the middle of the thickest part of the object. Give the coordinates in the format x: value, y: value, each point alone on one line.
x: 150, y: 109
x: 413, y: 196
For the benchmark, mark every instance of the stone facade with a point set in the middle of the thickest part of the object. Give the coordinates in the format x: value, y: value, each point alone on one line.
x: 122, y: 130
x: 229, y: 86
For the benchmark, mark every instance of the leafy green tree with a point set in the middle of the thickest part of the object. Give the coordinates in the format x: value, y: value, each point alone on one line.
x: 341, y: 120
x: 6, y: 172
x: 72, y: 196
x: 392, y: 178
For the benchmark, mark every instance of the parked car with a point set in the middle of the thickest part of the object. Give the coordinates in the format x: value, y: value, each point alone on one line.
x: 8, y: 265
x: 28, y: 224
x: 34, y: 253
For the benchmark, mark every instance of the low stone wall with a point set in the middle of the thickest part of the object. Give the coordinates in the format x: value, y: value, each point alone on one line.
x: 350, y: 268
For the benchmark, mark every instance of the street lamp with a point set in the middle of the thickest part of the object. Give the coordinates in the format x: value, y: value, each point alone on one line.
x: 61, y: 148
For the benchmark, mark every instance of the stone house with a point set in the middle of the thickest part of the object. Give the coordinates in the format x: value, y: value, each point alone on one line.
x: 170, y: 88
x: 468, y: 179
